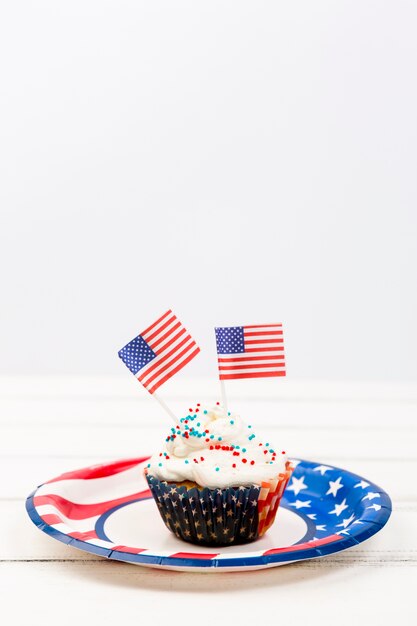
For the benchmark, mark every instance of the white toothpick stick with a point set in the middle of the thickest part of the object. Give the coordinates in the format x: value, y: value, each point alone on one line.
x: 223, y: 393
x: 166, y: 408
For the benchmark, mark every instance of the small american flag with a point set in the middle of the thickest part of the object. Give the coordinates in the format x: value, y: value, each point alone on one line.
x: 250, y: 351
x: 159, y: 352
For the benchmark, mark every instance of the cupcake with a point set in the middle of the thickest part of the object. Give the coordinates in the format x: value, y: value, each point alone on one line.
x: 215, y: 482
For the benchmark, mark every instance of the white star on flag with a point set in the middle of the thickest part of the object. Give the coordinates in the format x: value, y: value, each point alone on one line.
x: 334, y: 486
x: 339, y: 508
x: 322, y: 469
x: 297, y: 485
x: 300, y: 504
x: 371, y: 495
x: 363, y: 484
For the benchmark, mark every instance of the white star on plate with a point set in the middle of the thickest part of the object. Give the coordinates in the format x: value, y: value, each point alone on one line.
x: 357, y: 521
x: 348, y: 520
x: 362, y: 484
x: 299, y: 504
x: 321, y: 527
x: 297, y: 485
x: 312, y: 515
x: 371, y: 495
x: 334, y: 486
x: 376, y: 507
x: 342, y: 532
x: 322, y: 469
x: 339, y: 508
x: 314, y: 539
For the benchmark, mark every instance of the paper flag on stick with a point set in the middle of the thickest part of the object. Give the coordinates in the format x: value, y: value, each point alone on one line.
x: 250, y: 351
x: 159, y: 352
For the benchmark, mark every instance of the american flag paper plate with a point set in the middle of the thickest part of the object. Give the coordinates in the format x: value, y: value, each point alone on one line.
x: 108, y: 510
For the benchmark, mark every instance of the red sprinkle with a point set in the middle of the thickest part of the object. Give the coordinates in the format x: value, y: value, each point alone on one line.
x: 217, y: 403
x: 198, y: 404
x: 207, y: 440
x: 211, y: 447
x: 244, y: 460
x: 206, y: 431
x: 201, y: 458
x: 234, y: 465
x: 197, y: 410
x: 160, y: 454
x: 265, y: 451
x: 167, y: 457
x: 283, y: 452
x: 252, y: 462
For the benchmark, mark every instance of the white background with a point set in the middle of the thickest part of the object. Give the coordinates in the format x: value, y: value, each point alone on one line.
x: 239, y: 162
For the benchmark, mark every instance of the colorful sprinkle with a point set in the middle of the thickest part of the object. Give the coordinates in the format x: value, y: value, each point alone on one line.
x: 217, y: 469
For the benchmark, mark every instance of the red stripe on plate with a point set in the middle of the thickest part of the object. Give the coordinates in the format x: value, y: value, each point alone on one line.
x: 128, y: 549
x: 88, y: 534
x: 51, y: 518
x: 306, y: 545
x: 72, y: 510
x: 193, y: 555
x: 100, y: 471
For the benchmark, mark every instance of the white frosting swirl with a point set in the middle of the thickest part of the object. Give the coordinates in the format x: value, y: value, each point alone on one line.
x: 216, y: 450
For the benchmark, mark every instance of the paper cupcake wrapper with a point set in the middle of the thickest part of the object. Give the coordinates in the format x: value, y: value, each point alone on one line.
x: 215, y: 517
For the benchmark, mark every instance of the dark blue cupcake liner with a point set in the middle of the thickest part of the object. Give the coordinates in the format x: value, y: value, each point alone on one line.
x: 209, y: 517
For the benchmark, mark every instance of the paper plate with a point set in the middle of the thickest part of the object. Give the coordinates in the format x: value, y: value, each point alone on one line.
x: 108, y: 510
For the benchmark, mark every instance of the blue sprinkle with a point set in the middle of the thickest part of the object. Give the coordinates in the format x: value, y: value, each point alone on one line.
x: 148, y: 465
x: 237, y: 447
x: 160, y: 464
x: 267, y: 444
x: 198, y: 424
x: 228, y: 413
x: 217, y: 469
x: 219, y: 438
x: 205, y: 412
x: 249, y: 426
x: 251, y: 437
x: 211, y: 436
x: 186, y: 461
x: 243, y: 449
x: 231, y: 421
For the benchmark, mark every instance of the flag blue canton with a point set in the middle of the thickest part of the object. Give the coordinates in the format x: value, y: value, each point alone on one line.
x: 136, y: 354
x: 230, y: 340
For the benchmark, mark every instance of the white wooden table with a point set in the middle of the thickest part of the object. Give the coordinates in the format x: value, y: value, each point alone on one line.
x: 52, y: 425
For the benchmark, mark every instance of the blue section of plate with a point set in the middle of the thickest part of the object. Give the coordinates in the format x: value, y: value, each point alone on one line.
x: 340, y: 509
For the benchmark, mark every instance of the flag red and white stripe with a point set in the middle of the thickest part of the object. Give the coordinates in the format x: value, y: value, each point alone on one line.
x: 254, y: 351
x: 159, y: 352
